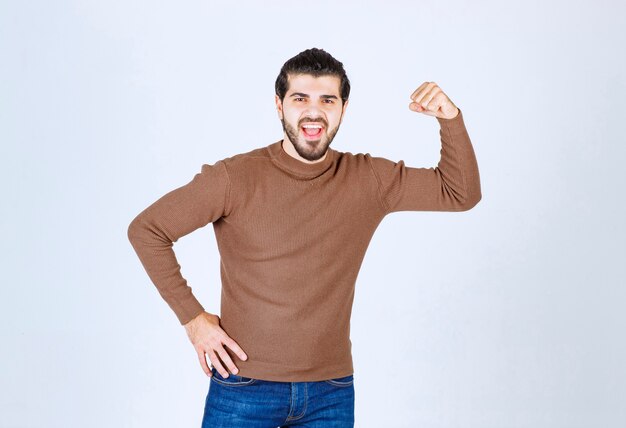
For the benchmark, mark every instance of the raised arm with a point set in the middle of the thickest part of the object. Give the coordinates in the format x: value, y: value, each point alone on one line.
x: 453, y: 185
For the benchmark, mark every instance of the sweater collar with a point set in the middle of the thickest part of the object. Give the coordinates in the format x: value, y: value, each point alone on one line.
x: 300, y: 169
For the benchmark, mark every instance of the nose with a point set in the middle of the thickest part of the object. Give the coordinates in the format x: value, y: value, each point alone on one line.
x: 313, y: 114
x: 313, y: 110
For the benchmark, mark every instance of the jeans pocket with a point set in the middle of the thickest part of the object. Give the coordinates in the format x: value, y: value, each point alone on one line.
x: 341, y: 381
x: 231, y: 380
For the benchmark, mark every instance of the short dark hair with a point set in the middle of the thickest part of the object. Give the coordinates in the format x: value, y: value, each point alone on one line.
x: 316, y: 62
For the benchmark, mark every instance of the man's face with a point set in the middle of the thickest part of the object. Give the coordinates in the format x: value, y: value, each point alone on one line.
x: 311, y: 113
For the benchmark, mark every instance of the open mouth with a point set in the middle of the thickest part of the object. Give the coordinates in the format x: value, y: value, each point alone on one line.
x: 312, y: 131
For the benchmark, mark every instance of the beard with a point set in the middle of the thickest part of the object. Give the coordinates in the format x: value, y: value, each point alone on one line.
x: 310, y: 150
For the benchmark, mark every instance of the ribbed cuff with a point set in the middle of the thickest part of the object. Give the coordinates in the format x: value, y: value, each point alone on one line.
x: 188, y: 309
x: 454, y: 125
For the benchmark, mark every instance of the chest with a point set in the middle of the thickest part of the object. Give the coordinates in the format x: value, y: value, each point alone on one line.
x: 282, y: 214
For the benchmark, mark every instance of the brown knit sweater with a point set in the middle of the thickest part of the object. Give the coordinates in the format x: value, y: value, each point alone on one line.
x: 292, y: 237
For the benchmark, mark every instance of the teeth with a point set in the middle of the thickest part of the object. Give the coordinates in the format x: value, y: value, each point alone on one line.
x: 312, y: 126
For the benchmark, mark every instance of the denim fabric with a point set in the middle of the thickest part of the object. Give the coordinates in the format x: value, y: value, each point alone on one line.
x: 243, y: 402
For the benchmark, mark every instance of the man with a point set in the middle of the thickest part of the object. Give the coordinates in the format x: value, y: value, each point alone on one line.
x: 293, y: 221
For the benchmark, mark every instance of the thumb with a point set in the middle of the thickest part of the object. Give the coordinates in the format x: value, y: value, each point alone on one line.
x: 416, y: 107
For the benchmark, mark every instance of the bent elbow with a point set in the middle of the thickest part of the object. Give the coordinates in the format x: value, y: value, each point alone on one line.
x: 133, y: 230
x: 471, y: 202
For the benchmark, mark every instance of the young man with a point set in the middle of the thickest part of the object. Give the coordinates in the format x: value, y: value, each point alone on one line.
x: 293, y: 221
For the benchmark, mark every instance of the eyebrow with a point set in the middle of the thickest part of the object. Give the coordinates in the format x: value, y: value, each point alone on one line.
x: 300, y: 94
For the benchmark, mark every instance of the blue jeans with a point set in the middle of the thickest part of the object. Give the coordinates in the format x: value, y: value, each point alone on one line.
x: 243, y: 402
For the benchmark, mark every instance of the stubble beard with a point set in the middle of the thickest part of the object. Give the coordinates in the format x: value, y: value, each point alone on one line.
x: 309, y: 150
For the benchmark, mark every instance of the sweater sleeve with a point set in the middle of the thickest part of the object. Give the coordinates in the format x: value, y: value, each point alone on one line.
x: 176, y: 214
x: 453, y: 185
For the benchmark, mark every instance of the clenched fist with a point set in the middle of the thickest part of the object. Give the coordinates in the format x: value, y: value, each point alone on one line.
x: 431, y: 100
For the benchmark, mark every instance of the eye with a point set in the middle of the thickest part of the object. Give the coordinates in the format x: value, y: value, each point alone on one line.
x: 299, y: 98
x: 329, y: 101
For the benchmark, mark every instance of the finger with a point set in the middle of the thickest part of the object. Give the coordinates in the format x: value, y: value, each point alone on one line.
x: 417, y: 91
x: 436, y: 100
x: 428, y: 96
x: 418, y: 108
x: 423, y: 100
x: 422, y: 89
x: 218, y: 364
x: 205, y: 366
x: 425, y: 90
x: 236, y: 348
x: 228, y: 361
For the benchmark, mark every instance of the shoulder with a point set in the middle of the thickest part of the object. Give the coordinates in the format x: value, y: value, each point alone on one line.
x: 246, y: 159
x: 360, y: 160
x: 352, y: 159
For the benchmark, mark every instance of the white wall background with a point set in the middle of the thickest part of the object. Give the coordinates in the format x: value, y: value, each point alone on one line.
x: 509, y: 315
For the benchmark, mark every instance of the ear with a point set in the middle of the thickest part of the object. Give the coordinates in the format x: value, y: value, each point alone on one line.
x: 279, y: 107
